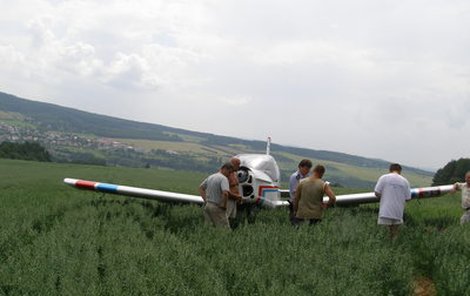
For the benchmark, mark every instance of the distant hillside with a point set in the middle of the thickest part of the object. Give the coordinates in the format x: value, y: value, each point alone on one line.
x: 79, y: 136
x: 57, y: 118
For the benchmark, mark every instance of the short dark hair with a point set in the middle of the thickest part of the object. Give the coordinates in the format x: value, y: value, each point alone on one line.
x: 395, y: 167
x: 305, y: 163
x: 319, y: 169
x: 227, y: 166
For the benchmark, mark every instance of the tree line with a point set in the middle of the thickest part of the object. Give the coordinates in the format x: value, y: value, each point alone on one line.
x: 25, y: 151
x: 452, y: 172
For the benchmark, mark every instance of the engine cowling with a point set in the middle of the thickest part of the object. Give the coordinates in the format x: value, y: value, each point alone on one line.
x: 258, y: 179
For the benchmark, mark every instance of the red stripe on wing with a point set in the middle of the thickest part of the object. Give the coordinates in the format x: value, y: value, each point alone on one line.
x: 85, y: 184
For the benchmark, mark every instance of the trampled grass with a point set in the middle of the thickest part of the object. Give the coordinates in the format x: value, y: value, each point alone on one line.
x: 56, y: 240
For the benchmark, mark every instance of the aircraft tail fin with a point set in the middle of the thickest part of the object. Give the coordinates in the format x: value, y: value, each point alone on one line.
x: 268, y: 146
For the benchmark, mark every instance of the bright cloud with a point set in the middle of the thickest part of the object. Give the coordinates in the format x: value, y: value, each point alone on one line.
x: 381, y: 79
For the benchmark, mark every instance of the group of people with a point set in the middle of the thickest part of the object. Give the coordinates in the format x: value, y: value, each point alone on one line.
x: 394, y: 190
x: 221, y: 194
x: 223, y: 202
x: 307, y: 190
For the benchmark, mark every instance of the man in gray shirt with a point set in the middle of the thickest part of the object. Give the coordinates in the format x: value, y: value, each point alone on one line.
x: 465, y: 187
x: 215, y: 191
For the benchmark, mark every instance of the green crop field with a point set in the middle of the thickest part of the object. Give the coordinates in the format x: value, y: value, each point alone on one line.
x: 57, y: 240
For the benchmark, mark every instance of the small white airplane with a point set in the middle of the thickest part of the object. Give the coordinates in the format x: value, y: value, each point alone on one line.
x: 259, y: 179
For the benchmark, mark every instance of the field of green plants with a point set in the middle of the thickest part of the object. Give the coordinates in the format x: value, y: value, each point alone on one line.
x: 57, y: 240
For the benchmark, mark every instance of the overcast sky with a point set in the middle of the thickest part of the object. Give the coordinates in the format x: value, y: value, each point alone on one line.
x: 380, y: 79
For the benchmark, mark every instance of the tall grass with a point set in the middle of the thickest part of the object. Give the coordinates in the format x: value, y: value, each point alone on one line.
x: 56, y: 240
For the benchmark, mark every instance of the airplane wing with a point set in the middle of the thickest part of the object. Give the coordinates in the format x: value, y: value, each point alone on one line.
x: 264, y: 198
x: 134, y: 191
x: 341, y: 200
x: 369, y: 197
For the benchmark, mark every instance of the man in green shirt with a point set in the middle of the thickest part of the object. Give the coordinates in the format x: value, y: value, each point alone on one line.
x: 309, y: 203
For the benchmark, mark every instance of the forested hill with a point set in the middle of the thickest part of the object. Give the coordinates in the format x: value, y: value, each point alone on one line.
x: 45, y: 117
x: 53, y: 117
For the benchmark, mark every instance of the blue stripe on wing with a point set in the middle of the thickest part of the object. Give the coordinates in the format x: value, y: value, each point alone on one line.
x: 104, y: 187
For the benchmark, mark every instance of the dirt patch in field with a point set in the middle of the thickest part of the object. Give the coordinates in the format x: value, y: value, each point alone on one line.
x: 424, y: 286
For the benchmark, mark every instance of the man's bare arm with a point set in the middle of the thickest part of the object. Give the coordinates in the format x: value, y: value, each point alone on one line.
x: 331, y: 195
x: 202, y: 192
x: 234, y: 196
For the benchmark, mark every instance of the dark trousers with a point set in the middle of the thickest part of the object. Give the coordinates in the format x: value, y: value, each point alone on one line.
x: 291, y: 213
x: 246, y: 211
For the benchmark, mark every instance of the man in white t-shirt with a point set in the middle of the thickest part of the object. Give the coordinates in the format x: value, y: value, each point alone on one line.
x: 393, y: 191
x: 465, y: 188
